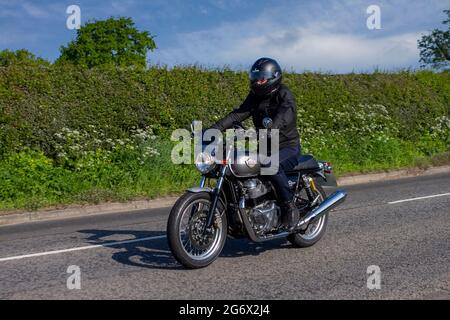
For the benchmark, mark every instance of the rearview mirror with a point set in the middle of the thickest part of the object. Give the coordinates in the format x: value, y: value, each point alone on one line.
x: 267, y: 123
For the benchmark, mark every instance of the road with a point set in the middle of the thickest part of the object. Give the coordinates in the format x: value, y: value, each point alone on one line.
x: 125, y: 256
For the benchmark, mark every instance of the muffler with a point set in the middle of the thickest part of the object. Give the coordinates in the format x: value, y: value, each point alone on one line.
x: 329, y: 203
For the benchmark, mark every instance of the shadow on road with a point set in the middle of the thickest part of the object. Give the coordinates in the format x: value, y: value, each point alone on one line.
x: 156, y: 253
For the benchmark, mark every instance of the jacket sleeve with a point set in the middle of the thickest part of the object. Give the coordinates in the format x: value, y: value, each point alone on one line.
x: 287, y: 112
x: 239, y: 114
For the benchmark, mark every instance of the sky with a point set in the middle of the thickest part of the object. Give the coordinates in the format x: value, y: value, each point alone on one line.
x: 303, y: 35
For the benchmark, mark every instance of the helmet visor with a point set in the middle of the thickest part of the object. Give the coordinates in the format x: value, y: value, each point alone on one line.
x: 261, y: 75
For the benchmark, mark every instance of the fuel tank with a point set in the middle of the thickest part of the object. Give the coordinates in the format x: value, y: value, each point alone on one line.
x: 245, y: 165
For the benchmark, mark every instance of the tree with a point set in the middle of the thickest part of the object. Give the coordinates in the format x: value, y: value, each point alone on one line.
x: 435, y: 47
x: 109, y: 42
x: 20, y: 57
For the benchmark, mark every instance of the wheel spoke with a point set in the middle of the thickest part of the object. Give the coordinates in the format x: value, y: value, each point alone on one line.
x: 315, y: 227
x: 194, y: 243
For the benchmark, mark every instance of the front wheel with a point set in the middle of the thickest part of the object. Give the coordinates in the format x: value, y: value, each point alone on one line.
x: 316, y: 228
x: 188, y: 244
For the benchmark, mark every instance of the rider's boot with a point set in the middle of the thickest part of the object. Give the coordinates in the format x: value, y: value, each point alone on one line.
x: 289, y: 215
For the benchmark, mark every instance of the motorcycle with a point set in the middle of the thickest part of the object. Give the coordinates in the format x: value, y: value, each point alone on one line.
x: 234, y: 200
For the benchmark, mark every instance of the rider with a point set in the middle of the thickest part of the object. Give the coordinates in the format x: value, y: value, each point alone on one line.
x: 270, y: 98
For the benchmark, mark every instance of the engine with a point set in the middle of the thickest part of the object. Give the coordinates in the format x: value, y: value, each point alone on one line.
x: 264, y: 213
x: 254, y: 189
x: 265, y: 217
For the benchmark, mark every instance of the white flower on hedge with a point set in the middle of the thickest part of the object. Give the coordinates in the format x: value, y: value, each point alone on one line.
x: 78, y: 144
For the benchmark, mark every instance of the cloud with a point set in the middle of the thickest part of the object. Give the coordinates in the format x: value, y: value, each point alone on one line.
x: 122, y: 6
x: 227, y: 4
x: 316, y: 50
x: 313, y: 35
x: 34, y: 11
x: 16, y: 39
x: 327, y: 35
x: 301, y: 48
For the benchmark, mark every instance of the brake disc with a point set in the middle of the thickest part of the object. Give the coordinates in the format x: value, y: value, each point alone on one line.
x: 196, y: 235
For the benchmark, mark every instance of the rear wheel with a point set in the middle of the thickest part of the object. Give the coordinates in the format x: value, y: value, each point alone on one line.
x: 189, y: 245
x: 316, y: 228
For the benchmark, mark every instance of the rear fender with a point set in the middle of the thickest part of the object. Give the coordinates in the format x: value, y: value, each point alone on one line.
x: 326, y: 179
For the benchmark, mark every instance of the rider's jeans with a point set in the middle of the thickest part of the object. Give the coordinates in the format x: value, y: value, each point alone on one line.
x: 288, y: 158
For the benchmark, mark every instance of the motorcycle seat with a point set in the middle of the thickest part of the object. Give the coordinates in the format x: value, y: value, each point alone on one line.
x: 306, y: 162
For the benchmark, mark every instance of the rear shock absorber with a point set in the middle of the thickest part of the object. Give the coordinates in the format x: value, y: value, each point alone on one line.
x: 307, y: 184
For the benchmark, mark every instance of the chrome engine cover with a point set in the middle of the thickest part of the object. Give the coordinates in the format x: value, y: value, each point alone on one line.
x: 254, y: 188
x: 265, y: 217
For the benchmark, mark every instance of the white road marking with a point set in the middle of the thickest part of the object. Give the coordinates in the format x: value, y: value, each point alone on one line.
x: 420, y: 198
x: 39, y: 254
x: 111, y: 244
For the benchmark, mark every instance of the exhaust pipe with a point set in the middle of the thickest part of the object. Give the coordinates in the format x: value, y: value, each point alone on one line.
x: 329, y: 203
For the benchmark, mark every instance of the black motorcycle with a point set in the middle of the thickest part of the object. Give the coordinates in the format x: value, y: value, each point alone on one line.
x: 234, y: 199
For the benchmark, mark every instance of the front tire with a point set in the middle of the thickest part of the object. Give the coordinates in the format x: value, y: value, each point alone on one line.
x: 186, y: 220
x: 315, y: 230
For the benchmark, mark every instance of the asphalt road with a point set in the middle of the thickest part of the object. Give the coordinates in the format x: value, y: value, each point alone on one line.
x: 409, y: 241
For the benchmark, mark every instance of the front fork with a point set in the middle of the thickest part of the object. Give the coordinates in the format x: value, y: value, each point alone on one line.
x: 202, y: 182
x: 215, y: 198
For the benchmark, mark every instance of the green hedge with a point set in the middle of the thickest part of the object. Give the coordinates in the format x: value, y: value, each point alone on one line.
x: 76, y: 119
x: 36, y: 103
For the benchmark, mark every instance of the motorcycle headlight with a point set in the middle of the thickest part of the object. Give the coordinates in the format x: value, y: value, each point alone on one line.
x: 205, y: 162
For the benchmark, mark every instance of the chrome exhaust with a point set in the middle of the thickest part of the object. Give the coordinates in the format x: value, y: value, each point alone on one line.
x: 329, y: 203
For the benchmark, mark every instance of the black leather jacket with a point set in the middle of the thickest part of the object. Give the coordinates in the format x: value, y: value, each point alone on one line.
x: 281, y: 108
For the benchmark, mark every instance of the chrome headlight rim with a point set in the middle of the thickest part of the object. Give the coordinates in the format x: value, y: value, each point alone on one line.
x: 205, y: 162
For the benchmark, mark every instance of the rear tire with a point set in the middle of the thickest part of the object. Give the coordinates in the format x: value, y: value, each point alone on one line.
x: 186, y: 253
x: 301, y: 239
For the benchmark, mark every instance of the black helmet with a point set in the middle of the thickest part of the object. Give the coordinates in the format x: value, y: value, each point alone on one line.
x: 265, y: 77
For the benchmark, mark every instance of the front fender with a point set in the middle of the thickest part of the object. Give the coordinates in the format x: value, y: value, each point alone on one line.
x: 199, y: 190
